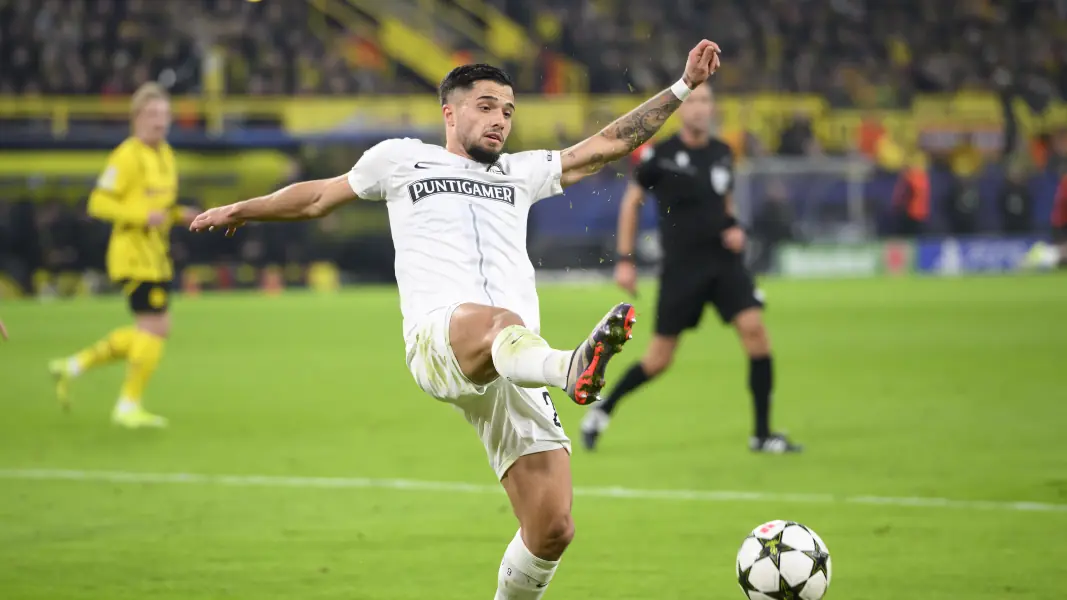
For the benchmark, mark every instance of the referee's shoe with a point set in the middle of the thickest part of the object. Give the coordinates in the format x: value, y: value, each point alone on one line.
x: 596, y: 421
x: 775, y: 443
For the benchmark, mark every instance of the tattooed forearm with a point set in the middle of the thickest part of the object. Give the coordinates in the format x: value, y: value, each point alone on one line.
x: 640, y: 124
x: 622, y: 137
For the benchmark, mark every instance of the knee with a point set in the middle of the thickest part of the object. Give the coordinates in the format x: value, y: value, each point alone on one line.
x: 561, y: 532
x: 754, y: 337
x: 556, y: 534
x: 477, y: 353
x: 500, y: 320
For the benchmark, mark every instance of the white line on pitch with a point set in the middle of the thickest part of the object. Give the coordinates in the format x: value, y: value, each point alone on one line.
x: 474, y: 488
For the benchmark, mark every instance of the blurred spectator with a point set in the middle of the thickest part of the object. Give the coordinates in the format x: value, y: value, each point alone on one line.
x: 58, y: 233
x: 772, y: 226
x: 911, y: 198
x: 870, y: 134
x: 797, y: 137
x: 1015, y: 201
x: 1056, y: 152
x: 742, y: 140
x: 962, y: 201
x: 1059, y: 213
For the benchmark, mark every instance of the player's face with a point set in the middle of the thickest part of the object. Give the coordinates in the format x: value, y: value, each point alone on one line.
x: 153, y: 122
x: 698, y: 109
x: 480, y: 119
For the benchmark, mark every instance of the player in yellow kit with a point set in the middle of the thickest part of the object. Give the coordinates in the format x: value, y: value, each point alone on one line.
x: 137, y: 193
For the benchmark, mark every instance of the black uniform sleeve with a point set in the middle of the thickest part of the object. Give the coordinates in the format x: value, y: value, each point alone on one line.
x: 646, y: 173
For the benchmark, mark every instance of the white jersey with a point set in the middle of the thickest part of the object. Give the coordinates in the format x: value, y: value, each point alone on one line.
x: 458, y: 226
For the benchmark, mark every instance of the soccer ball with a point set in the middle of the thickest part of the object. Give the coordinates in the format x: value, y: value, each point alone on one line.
x: 783, y: 560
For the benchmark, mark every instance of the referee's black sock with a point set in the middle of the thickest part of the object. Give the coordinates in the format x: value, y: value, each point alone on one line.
x: 761, y: 382
x: 632, y: 380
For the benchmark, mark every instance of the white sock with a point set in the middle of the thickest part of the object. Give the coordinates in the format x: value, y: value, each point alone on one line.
x: 522, y: 575
x: 525, y: 359
x: 1050, y: 257
x: 595, y: 420
x: 125, y: 405
x: 74, y: 368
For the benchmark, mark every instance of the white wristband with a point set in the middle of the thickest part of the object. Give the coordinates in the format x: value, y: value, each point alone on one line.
x: 681, y: 89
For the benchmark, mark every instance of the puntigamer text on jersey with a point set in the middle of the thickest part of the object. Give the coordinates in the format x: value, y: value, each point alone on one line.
x: 451, y: 185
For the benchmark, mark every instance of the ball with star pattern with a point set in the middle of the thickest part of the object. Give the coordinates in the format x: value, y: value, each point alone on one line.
x: 783, y: 560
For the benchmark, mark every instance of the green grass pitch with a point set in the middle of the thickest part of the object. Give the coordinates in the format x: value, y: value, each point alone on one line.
x: 936, y: 390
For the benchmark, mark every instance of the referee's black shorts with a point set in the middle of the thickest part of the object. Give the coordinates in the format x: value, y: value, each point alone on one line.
x: 147, y: 297
x: 685, y: 290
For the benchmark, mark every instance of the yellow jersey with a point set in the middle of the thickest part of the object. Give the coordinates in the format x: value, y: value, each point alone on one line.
x: 139, y: 180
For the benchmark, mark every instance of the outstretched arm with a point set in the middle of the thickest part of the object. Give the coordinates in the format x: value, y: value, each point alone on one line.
x: 297, y: 202
x: 628, y: 132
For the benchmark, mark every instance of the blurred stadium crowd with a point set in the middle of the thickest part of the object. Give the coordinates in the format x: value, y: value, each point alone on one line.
x: 109, y: 47
x: 854, y: 52
x: 862, y: 54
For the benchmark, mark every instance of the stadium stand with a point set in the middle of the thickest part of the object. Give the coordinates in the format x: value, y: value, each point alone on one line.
x: 854, y: 53
x: 109, y: 47
x: 961, y: 91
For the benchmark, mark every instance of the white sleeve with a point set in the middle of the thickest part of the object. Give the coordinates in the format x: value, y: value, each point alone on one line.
x: 542, y: 170
x: 369, y: 177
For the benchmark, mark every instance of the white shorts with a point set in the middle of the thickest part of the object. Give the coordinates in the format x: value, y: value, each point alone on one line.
x: 512, y: 421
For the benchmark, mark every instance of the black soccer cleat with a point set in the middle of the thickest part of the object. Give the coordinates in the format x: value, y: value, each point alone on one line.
x: 585, y: 377
x: 776, y: 443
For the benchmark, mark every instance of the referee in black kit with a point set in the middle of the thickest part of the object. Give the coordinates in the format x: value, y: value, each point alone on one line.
x: 691, y: 174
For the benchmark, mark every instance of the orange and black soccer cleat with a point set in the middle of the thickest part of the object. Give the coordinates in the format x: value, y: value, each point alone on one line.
x: 585, y: 378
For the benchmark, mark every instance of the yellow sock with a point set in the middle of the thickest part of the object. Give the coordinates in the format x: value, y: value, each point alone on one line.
x: 116, y: 345
x: 145, y: 354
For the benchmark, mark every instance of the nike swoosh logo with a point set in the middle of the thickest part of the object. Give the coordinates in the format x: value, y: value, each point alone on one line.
x: 420, y: 165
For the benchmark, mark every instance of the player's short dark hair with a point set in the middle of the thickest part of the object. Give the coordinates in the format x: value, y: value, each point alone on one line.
x: 465, y: 76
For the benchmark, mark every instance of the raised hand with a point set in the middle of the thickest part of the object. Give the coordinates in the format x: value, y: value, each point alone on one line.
x: 217, y: 217
x: 703, y: 61
x: 625, y: 134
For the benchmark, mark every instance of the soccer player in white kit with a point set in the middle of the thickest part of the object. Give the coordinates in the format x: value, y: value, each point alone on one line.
x: 458, y: 218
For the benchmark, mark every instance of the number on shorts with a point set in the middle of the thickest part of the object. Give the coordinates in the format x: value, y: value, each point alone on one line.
x: 548, y: 403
